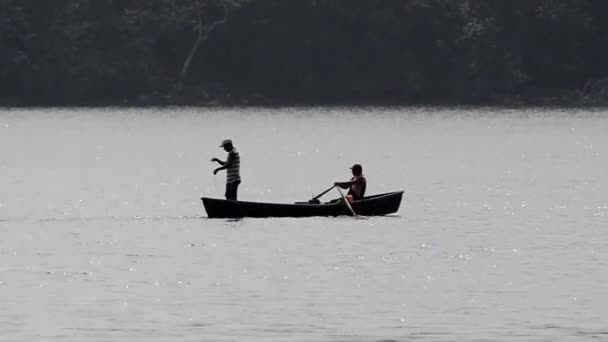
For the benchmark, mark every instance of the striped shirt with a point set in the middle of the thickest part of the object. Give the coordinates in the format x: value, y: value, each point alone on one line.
x: 234, y: 165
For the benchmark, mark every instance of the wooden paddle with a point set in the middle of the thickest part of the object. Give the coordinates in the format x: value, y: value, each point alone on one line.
x: 316, y: 198
x: 346, y: 201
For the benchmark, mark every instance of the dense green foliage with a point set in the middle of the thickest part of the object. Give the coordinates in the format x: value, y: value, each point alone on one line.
x: 303, y: 51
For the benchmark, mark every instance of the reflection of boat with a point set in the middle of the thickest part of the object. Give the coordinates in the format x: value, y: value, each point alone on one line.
x: 376, y: 205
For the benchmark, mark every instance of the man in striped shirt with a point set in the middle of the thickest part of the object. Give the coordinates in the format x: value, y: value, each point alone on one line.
x: 232, y: 165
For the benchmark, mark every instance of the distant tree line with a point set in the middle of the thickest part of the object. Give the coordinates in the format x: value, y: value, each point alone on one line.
x: 63, y: 52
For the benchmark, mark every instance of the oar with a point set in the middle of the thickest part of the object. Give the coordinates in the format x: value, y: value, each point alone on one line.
x: 316, y: 198
x: 346, y: 201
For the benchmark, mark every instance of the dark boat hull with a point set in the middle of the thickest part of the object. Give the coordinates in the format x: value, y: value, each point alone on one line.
x: 377, y: 205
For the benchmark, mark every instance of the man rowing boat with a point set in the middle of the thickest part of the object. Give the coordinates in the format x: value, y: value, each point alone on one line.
x: 356, y: 185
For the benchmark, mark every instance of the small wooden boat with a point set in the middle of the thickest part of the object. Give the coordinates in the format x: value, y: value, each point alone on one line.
x: 376, y: 205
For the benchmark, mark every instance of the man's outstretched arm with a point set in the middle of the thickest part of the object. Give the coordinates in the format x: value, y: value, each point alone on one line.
x: 218, y: 161
x: 343, y: 185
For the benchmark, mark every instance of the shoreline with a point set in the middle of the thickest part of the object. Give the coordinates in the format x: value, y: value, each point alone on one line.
x: 245, y: 102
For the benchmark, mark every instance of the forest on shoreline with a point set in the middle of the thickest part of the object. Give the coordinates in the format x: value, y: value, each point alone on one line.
x: 303, y: 52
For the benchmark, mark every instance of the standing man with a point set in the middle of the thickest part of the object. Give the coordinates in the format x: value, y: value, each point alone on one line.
x: 232, y: 165
x: 356, y: 186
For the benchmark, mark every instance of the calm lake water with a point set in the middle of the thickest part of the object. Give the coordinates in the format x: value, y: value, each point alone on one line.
x: 502, y: 234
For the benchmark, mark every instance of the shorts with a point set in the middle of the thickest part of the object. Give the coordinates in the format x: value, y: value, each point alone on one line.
x: 231, y: 190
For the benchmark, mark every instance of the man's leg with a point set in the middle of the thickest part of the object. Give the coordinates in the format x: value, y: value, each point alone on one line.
x: 235, y: 190
x: 228, y: 191
x: 232, y: 190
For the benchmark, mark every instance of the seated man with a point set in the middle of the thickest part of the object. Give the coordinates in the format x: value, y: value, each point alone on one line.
x: 356, y: 185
